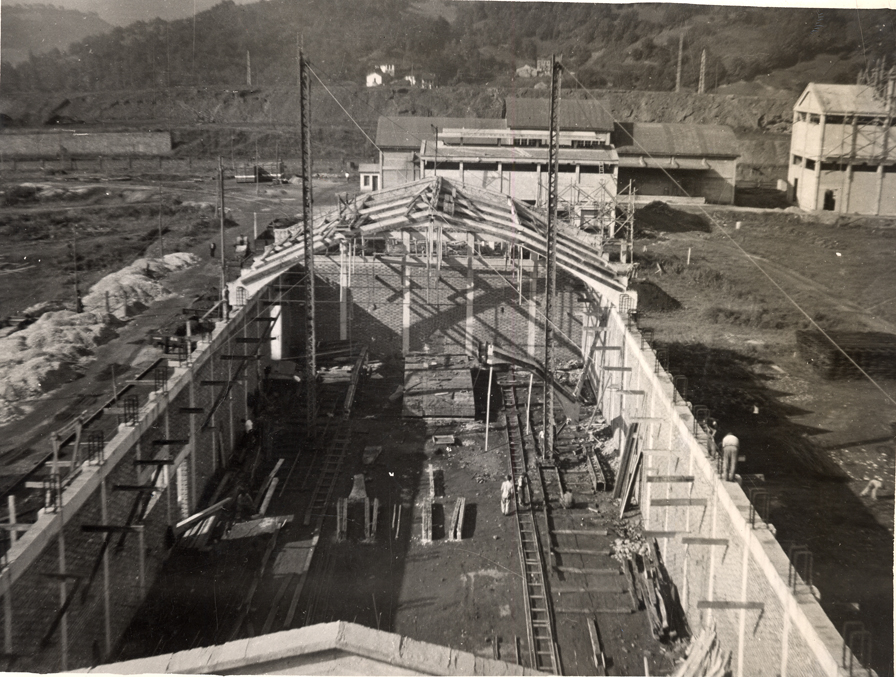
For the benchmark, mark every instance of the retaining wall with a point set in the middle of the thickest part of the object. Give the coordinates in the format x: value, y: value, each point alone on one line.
x: 52, y: 563
x: 84, y: 144
x: 724, y: 559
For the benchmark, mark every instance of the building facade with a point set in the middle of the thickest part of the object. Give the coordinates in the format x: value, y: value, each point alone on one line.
x: 841, y: 150
x: 598, y: 158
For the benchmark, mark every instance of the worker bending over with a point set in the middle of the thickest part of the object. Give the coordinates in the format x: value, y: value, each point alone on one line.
x: 506, y: 494
x: 730, y: 451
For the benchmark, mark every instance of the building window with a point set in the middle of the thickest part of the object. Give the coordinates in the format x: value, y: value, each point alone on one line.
x: 527, y: 142
x: 799, y: 117
x: 797, y: 160
x: 585, y: 143
x: 810, y: 164
x: 366, y: 180
x: 834, y: 120
x: 814, y: 119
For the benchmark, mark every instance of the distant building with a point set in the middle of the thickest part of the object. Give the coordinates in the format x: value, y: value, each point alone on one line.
x: 543, y: 66
x: 388, y: 69
x: 526, y: 71
x: 370, y: 177
x: 598, y: 158
x: 842, y: 155
x: 410, y: 79
x: 374, y: 79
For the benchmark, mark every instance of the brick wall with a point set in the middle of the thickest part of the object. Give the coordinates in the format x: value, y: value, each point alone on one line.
x: 739, y: 579
x: 438, y: 306
x: 56, y: 542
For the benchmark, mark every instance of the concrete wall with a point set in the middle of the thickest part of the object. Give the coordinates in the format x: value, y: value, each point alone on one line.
x: 80, y: 144
x: 715, y: 182
x: 739, y: 579
x: 32, y: 590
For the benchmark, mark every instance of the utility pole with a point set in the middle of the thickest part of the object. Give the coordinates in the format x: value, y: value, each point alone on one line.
x: 224, y: 309
x: 551, y: 268
x: 701, y: 88
x: 248, y: 70
x: 79, y: 307
x: 678, y: 70
x: 307, y: 215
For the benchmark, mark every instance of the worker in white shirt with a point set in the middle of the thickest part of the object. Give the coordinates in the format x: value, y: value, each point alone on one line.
x: 506, y: 494
x: 730, y: 451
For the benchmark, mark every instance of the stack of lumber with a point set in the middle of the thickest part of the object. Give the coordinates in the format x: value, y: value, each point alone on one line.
x: 658, y: 595
x: 874, y: 352
x: 705, y: 657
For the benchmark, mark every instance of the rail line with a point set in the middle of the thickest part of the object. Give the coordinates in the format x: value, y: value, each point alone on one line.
x: 542, y: 644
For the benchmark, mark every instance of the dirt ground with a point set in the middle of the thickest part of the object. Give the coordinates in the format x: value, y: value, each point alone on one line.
x: 723, y: 304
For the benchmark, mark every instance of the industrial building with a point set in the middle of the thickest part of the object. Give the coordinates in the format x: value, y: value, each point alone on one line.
x: 427, y: 295
x: 841, y: 148
x: 601, y: 159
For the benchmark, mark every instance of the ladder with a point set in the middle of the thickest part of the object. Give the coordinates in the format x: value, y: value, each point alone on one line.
x: 329, y: 473
x: 542, y: 647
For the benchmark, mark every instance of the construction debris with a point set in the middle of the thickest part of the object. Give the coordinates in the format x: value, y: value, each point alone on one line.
x: 705, y: 657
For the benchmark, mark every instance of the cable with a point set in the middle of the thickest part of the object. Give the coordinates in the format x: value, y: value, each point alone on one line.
x: 344, y: 110
x: 747, y: 256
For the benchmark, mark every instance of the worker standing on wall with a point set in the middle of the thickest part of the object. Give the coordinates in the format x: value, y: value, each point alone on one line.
x: 506, y: 494
x: 730, y: 451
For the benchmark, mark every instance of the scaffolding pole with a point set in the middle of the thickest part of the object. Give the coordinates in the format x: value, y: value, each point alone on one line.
x: 551, y: 268
x: 307, y: 216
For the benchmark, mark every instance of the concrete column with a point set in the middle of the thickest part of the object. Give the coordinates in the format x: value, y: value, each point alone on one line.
x: 533, y: 317
x: 880, y: 188
x: 193, y: 426
x: 471, y: 291
x: 168, y: 492
x: 819, y: 197
x: 63, y: 592
x: 538, y: 185
x: 501, y: 178
x: 742, y: 621
x: 343, y: 294
x: 847, y: 189
x: 232, y: 427
x: 7, y: 616
x: 406, y: 296
x: 578, y: 174
x: 710, y: 582
x: 107, y: 598
x: 461, y: 171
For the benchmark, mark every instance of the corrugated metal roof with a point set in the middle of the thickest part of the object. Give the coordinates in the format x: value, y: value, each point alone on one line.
x: 667, y: 138
x: 408, y: 132
x: 575, y: 115
x: 518, y: 154
x: 841, y: 100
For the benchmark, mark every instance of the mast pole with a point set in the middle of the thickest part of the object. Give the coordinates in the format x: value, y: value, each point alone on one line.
x: 308, y: 219
x: 551, y: 269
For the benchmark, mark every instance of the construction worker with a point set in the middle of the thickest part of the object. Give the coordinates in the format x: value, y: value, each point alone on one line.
x: 211, y: 249
x: 730, y: 451
x: 520, y: 484
x: 506, y: 494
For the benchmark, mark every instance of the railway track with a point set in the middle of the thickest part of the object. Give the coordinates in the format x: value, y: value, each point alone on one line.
x: 542, y: 644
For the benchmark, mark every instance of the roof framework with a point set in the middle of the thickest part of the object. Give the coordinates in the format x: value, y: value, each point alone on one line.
x: 456, y: 209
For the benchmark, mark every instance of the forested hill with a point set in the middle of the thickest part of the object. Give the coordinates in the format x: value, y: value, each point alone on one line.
x: 620, y: 46
x: 42, y: 28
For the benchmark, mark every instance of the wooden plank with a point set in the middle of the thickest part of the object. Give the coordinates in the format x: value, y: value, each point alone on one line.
x: 706, y: 604
x: 630, y: 485
x: 662, y: 534
x: 672, y: 502
x: 617, y: 368
x: 670, y: 478
x: 600, y: 661
x: 165, y: 443
x: 596, y: 610
x: 581, y: 570
x: 593, y: 532
x: 110, y: 528
x: 575, y: 551
x: 185, y: 524
x: 694, y: 540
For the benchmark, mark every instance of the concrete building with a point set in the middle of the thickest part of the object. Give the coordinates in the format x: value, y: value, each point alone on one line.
x: 374, y: 79
x: 369, y: 176
x: 598, y: 158
x: 527, y: 71
x: 842, y: 154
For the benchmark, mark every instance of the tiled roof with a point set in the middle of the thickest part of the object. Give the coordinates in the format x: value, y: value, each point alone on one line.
x: 408, y: 132
x: 575, y: 115
x: 841, y: 99
x: 666, y: 138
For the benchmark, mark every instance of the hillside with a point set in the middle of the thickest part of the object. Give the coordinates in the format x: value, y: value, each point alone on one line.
x: 39, y: 29
x: 603, y: 45
x: 206, y: 122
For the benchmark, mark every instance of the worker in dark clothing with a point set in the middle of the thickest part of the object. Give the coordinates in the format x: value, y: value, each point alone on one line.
x: 211, y: 249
